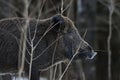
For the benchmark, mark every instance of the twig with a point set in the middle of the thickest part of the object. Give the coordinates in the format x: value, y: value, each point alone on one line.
x: 111, y: 10
x: 47, y: 48
x: 52, y: 69
x: 23, y: 39
x: 62, y: 3
x: 49, y: 28
x: 31, y: 60
x: 38, y: 20
x: 55, y: 70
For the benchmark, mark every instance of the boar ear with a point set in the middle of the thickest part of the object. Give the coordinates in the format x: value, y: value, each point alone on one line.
x: 58, y: 23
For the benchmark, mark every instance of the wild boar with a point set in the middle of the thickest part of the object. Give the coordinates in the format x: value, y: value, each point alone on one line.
x: 54, y: 40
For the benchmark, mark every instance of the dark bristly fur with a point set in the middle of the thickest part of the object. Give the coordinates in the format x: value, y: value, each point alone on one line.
x: 10, y: 32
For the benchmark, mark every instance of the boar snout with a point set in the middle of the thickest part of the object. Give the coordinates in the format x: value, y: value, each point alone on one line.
x: 87, y: 53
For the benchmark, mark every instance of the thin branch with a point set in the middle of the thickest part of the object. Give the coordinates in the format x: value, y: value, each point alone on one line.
x: 111, y: 10
x: 53, y: 56
x: 47, y: 48
x: 38, y: 20
x: 55, y: 70
x: 68, y: 6
x: 23, y: 39
x: 31, y: 60
x: 62, y: 4
x: 49, y: 28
